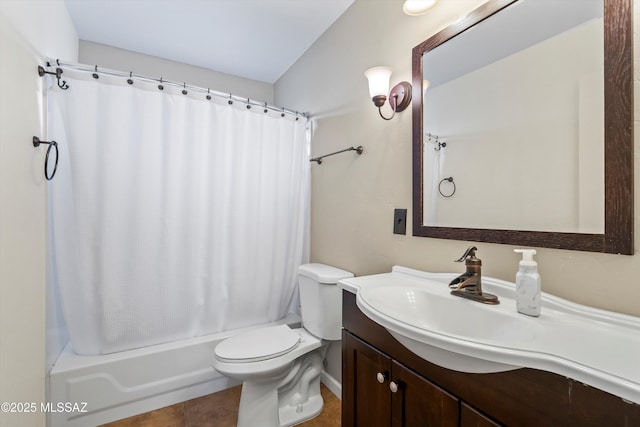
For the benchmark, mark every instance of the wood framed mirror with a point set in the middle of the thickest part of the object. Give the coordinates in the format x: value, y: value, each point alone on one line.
x: 616, y: 235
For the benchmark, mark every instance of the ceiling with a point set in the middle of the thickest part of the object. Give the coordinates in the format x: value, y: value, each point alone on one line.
x: 255, y: 39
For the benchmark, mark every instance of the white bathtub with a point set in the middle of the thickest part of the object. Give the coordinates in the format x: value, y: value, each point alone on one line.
x: 92, y: 390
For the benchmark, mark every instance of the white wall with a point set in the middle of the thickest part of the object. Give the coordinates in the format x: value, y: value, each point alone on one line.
x: 353, y: 197
x: 152, y: 66
x: 29, y: 32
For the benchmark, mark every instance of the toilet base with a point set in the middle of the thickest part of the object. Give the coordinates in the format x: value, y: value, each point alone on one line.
x: 303, y: 402
x: 290, y: 417
x: 286, y: 401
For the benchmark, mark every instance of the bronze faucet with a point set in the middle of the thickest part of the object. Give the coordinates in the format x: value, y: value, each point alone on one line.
x: 469, y: 284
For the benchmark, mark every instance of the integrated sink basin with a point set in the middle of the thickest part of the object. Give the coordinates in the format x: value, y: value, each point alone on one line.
x: 432, y: 325
x: 597, y: 347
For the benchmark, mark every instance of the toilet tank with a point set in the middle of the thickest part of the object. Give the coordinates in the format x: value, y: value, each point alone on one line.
x: 321, y: 299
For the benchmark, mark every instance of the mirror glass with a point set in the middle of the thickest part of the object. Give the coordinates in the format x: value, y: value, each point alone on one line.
x: 519, y: 102
x: 509, y: 134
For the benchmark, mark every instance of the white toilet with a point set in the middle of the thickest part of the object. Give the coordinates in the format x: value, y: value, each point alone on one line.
x: 280, y: 367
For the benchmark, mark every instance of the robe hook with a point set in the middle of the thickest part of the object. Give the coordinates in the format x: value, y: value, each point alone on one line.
x: 58, y: 74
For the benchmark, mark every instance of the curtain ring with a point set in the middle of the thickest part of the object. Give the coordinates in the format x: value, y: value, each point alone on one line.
x: 130, y: 80
x: 160, y: 86
x: 184, y: 88
x: 208, y: 95
x: 449, y: 179
x: 230, y: 100
x: 95, y: 73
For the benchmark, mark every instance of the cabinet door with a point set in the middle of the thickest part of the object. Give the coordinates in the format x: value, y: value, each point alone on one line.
x: 469, y: 417
x: 366, y: 401
x: 418, y: 402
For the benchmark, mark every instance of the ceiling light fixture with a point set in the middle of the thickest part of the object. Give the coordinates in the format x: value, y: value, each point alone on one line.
x: 399, y: 97
x: 417, y: 7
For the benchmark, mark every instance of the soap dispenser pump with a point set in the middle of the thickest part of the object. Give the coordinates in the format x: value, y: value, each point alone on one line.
x: 528, y: 284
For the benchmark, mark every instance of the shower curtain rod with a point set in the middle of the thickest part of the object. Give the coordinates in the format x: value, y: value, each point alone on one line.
x: 161, y: 83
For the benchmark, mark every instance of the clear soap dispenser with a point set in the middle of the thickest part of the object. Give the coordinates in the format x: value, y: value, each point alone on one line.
x: 528, y: 284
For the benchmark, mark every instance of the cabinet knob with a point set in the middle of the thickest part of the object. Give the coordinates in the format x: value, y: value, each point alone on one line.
x: 393, y: 386
x: 381, y: 377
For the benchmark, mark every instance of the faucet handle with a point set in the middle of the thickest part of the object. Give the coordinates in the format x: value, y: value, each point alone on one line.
x: 469, y: 253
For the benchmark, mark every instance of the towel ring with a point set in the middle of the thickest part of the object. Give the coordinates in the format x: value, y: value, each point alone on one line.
x: 52, y: 144
x: 449, y: 179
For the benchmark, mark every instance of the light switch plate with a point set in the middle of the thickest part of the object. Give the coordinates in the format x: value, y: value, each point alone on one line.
x: 400, y: 221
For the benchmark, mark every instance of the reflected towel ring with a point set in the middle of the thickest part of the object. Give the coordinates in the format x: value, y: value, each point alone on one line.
x: 52, y: 144
x: 449, y: 179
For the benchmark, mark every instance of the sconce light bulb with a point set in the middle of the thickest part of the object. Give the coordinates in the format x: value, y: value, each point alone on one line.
x: 425, y: 86
x: 417, y: 7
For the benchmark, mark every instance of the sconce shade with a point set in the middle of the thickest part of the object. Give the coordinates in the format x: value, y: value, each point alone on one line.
x: 417, y: 7
x: 378, y: 81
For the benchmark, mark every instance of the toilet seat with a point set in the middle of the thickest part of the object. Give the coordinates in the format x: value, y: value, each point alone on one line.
x: 257, y: 345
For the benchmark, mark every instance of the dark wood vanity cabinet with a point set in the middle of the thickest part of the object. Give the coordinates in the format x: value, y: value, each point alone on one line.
x: 368, y: 400
x: 385, y: 393
x: 469, y: 417
x: 428, y: 395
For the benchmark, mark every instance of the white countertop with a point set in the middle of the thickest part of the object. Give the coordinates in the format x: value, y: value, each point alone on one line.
x: 596, y: 347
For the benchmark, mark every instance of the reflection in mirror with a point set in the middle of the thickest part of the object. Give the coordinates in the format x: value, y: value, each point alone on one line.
x: 519, y: 101
x: 526, y: 115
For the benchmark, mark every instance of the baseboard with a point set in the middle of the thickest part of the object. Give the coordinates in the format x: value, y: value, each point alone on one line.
x: 332, y: 384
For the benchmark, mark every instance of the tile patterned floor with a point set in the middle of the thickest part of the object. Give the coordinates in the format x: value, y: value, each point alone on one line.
x: 220, y: 410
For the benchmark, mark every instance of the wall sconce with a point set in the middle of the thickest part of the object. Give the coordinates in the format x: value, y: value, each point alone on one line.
x: 417, y: 7
x: 399, y: 97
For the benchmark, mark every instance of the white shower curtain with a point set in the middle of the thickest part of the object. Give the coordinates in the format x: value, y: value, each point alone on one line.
x: 433, y: 156
x: 172, y: 216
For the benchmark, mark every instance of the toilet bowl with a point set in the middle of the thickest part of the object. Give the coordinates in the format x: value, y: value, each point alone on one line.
x: 274, y: 368
x: 280, y: 367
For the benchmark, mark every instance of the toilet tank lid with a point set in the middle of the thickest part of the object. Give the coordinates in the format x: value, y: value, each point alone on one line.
x: 322, y: 273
